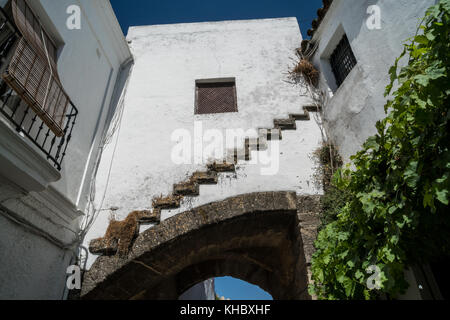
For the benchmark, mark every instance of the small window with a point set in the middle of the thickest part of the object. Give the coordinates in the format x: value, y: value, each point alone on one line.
x: 215, y: 96
x: 342, y: 60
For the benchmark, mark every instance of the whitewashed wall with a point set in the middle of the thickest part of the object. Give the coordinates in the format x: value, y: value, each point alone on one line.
x: 160, y: 100
x: 89, y: 64
x: 359, y: 102
x: 201, y: 291
x: 36, y: 226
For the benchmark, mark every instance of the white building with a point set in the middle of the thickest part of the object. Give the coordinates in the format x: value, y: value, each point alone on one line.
x: 45, y: 183
x: 163, y: 109
x: 376, y: 31
x: 354, y: 44
x: 140, y: 125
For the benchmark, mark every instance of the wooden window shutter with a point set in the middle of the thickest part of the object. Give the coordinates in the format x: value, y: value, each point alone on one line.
x: 32, y: 30
x: 29, y: 75
x: 32, y: 71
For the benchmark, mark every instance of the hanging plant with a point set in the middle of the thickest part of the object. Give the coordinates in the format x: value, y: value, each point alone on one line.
x: 305, y: 69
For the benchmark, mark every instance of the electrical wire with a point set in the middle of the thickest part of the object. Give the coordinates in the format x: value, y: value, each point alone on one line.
x: 115, y: 127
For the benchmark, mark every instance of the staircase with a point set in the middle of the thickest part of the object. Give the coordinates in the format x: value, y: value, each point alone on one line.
x: 110, y: 243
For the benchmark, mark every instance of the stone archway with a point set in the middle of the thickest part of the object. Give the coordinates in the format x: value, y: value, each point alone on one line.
x: 254, y: 237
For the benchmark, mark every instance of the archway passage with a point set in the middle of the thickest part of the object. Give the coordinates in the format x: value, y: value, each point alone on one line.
x: 254, y: 237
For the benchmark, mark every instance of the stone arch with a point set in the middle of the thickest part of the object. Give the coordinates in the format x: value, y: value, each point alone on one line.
x: 254, y: 237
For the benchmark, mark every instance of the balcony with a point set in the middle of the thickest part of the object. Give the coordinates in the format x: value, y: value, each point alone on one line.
x: 17, y: 113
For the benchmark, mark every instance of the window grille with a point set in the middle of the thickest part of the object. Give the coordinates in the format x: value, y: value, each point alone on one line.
x: 215, y: 97
x: 342, y: 60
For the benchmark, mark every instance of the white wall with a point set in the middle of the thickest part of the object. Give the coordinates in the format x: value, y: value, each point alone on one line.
x: 89, y: 64
x: 201, y: 291
x: 160, y: 99
x: 359, y: 102
x: 36, y: 227
x: 32, y: 267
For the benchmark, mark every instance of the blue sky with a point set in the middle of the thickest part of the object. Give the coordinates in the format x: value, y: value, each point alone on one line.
x: 148, y: 12
x: 235, y: 289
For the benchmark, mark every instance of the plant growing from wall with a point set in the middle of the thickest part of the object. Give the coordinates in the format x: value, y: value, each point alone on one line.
x: 305, y: 69
x: 397, y: 213
x: 305, y: 73
x: 330, y: 161
x: 334, y: 198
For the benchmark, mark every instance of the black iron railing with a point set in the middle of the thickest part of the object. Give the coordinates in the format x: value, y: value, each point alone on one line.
x: 22, y: 118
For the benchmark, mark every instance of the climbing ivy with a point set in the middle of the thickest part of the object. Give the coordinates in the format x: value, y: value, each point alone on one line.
x: 397, y: 214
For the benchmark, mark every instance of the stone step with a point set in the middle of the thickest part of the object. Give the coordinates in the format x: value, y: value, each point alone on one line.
x: 170, y: 202
x: 208, y: 177
x: 285, y: 124
x: 150, y: 216
x: 234, y: 155
x: 103, y: 246
x: 312, y: 108
x: 270, y: 134
x: 301, y: 117
x: 186, y: 189
x: 120, y: 234
x: 258, y: 144
x: 222, y: 167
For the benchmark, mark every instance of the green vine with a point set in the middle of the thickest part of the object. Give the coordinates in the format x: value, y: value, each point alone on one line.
x: 397, y: 213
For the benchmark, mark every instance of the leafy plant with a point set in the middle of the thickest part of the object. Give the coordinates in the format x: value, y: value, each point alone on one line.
x: 397, y: 213
x: 334, y: 198
x: 332, y: 202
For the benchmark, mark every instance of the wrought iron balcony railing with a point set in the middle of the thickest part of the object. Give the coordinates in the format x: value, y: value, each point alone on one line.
x: 17, y: 112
